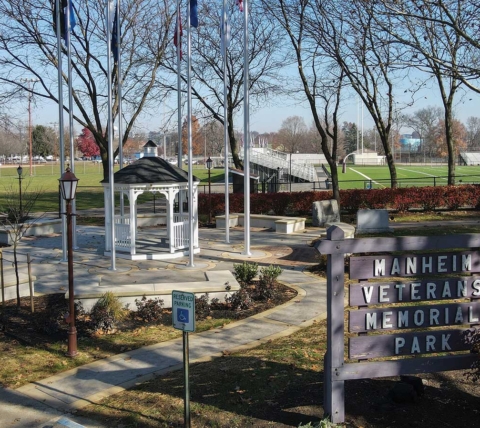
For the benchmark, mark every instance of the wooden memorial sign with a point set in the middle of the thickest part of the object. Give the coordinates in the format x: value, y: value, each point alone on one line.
x: 405, y: 308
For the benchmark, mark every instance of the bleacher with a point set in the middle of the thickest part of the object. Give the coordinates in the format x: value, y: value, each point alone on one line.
x: 470, y: 158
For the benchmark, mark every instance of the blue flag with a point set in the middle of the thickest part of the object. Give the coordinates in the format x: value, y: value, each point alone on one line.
x: 114, y: 41
x: 193, y: 13
x: 63, y: 17
x: 73, y: 22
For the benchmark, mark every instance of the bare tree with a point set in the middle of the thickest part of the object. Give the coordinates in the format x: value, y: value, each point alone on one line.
x: 213, y: 134
x: 369, y: 59
x: 28, y: 47
x: 436, y: 49
x: 321, y: 79
x: 425, y: 123
x: 15, y: 212
x: 12, y: 133
x: 292, y: 133
x: 473, y: 133
x: 265, y: 60
x: 458, y: 17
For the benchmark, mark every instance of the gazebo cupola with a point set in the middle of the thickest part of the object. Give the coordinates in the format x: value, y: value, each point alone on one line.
x: 150, y: 149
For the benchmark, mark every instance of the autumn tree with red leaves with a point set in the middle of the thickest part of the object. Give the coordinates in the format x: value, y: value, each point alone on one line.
x: 86, y: 144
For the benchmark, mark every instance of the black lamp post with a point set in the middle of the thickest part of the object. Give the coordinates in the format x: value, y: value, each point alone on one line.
x: 209, y: 167
x: 19, y: 172
x: 68, y: 187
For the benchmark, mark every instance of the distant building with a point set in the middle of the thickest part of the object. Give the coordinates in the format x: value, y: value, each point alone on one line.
x: 410, y: 142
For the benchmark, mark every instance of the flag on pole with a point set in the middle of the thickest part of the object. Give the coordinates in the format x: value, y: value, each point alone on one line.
x: 239, y: 3
x: 224, y: 31
x: 111, y: 6
x: 63, y: 17
x: 178, y: 35
x: 193, y: 13
x: 115, y: 36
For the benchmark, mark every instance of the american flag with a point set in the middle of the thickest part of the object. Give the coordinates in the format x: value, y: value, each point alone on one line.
x: 176, y: 42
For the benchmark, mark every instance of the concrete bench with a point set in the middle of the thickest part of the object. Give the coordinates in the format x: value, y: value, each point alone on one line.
x: 219, y: 284
x: 38, y: 228
x: 159, y: 219
x: 281, y: 224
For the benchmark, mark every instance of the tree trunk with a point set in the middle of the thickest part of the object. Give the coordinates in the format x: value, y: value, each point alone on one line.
x: 15, y: 265
x: 233, y: 143
x: 334, y: 173
x: 390, y: 163
x: 450, y: 145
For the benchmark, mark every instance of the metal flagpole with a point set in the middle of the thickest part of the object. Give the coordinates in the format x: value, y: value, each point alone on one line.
x: 246, y: 136
x: 68, y: 31
x: 119, y: 92
x: 179, y: 87
x: 179, y: 98
x: 61, y: 126
x: 225, y: 36
x: 191, y: 240
x: 110, y: 137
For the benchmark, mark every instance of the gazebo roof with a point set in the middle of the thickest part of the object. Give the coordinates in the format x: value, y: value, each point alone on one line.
x: 149, y: 170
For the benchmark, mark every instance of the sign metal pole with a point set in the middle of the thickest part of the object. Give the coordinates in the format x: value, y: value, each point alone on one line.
x: 186, y: 380
x: 183, y: 318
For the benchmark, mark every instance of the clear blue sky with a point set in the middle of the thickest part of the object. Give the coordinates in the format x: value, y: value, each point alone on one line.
x: 269, y: 118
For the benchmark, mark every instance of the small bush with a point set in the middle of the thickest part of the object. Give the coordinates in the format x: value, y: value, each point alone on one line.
x: 240, y: 300
x: 202, y: 307
x: 106, y: 312
x: 149, y: 310
x: 269, y: 274
x: 265, y: 288
x: 245, y: 272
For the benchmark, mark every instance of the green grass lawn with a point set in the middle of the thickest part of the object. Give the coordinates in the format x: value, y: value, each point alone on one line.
x: 44, y: 178
x: 408, y: 175
x: 90, y: 192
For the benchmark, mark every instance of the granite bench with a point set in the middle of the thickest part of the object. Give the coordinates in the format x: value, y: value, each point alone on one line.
x: 281, y: 224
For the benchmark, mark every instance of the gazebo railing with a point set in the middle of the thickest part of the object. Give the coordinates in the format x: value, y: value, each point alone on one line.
x: 123, y: 239
x: 180, y: 235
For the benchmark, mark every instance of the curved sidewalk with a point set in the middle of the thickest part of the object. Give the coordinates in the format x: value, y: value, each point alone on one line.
x: 42, y: 403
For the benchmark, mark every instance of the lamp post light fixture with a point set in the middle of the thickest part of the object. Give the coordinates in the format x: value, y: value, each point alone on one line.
x: 19, y: 172
x: 209, y: 163
x: 68, y: 187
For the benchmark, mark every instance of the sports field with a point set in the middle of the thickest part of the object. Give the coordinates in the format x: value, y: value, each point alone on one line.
x: 44, y: 180
x: 377, y: 177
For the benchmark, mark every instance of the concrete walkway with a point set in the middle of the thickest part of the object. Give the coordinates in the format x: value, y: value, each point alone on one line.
x: 49, y: 402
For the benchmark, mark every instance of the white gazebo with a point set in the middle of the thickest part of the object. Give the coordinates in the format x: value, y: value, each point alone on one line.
x: 155, y: 175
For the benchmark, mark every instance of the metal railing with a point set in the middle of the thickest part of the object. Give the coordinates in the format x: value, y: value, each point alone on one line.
x: 273, y: 159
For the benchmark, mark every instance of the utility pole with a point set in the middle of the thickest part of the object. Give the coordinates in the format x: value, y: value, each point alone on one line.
x: 28, y: 81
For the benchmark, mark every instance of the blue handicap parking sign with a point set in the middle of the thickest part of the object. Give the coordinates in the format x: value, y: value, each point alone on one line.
x: 182, y: 315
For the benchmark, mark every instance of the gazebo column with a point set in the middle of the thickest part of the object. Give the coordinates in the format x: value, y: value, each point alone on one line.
x: 194, y: 207
x: 132, y: 197
x: 170, y: 196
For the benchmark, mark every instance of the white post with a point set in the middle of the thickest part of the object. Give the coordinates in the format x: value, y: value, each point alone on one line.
x: 225, y: 121
x: 246, y: 136
x: 191, y: 233
x: 110, y: 138
x: 61, y: 127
